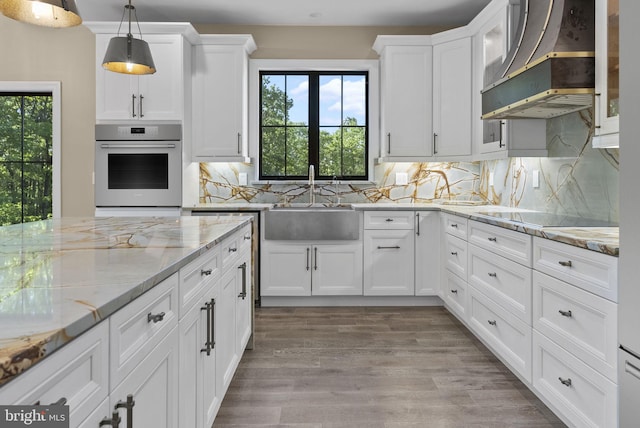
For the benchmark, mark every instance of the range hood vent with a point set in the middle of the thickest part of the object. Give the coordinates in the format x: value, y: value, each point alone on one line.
x: 550, y: 69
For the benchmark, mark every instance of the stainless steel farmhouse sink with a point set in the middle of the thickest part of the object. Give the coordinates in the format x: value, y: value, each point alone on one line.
x: 312, y: 222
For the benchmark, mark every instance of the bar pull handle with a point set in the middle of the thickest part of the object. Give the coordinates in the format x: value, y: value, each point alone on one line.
x: 133, y: 105
x: 435, y: 146
x: 155, y: 317
x: 389, y: 142
x: 492, y: 322
x: 454, y: 225
x: 417, y: 224
x: 493, y: 239
x: 207, y: 343
x: 389, y: 220
x: 565, y: 382
x: 129, y: 406
x: 596, y: 116
x: 565, y: 264
x: 395, y: 247
x: 565, y: 313
x: 140, y: 105
x: 233, y: 250
x: 243, y: 293
x: 61, y: 402
x: 239, y: 143
x: 206, y: 272
x: 114, y: 422
x: 454, y: 253
x: 493, y: 274
x: 315, y: 258
x: 454, y: 291
x: 308, y: 250
x: 501, y: 144
x: 212, y: 304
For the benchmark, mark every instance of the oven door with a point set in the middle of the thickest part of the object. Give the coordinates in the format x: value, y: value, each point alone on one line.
x: 138, y: 174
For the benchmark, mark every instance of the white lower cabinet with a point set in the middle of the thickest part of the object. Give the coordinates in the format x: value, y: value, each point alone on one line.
x: 389, y: 263
x: 454, y: 292
x: 583, y: 396
x: 427, y: 253
x: 310, y: 269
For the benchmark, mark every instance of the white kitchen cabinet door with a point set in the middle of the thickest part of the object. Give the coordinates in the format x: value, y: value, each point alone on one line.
x: 225, y: 331
x: 244, y: 302
x: 427, y: 253
x: 158, y: 96
x: 286, y: 269
x: 153, y: 386
x: 220, y: 99
x: 389, y: 263
x: 337, y: 270
x: 607, y: 100
x: 406, y: 100
x: 452, y: 95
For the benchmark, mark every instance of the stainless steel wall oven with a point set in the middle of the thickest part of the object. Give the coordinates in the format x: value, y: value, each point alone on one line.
x: 138, y: 165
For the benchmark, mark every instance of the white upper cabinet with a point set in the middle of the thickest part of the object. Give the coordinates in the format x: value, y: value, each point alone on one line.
x: 406, y: 97
x: 452, y: 98
x: 493, y: 31
x: 158, y: 96
x: 607, y: 100
x: 220, y: 98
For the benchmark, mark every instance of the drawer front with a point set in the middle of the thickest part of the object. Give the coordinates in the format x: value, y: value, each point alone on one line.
x: 138, y: 327
x: 233, y: 246
x: 579, y: 321
x: 389, y: 220
x: 455, y: 255
x: 591, y: 271
x: 455, y: 294
x: 506, y: 282
x: 581, y: 394
x: 508, y: 336
x: 78, y: 372
x: 514, y: 246
x: 455, y: 225
x: 196, y: 276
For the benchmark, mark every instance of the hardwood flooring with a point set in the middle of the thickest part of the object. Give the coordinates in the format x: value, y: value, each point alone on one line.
x: 374, y: 368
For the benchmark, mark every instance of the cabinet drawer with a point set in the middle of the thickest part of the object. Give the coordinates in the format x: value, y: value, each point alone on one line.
x: 455, y: 294
x: 197, y: 275
x: 233, y: 246
x: 78, y: 372
x: 581, y: 394
x: 455, y: 225
x: 506, y: 282
x: 455, y: 255
x: 581, y: 322
x: 591, y: 271
x: 514, y: 246
x: 134, y: 332
x: 389, y: 220
x: 508, y: 336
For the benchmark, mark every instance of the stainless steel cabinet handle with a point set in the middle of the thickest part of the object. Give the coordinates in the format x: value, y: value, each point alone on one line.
x: 129, y: 406
x: 140, y: 105
x: 389, y: 220
x: 308, y: 250
x: 493, y: 274
x: 565, y: 382
x: 565, y: 264
x: 596, y: 106
x: 454, y: 291
x: 418, y: 224
x: 454, y: 225
x: 315, y: 258
x: 395, y: 247
x: 114, y: 422
x: 212, y: 302
x: 243, y: 268
x: 501, y: 144
x: 206, y: 272
x: 133, y: 105
x: 239, y: 143
x: 247, y: 237
x: 493, y: 239
x: 207, y: 343
x: 389, y: 142
x: 492, y: 322
x: 435, y: 147
x: 155, y: 318
x: 454, y: 253
x: 565, y: 313
x: 61, y: 402
x: 232, y: 250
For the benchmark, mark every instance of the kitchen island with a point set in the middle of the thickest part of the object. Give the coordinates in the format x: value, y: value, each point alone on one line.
x: 62, y: 277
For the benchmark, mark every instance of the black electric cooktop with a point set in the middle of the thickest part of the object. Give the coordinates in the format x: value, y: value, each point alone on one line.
x: 547, y: 219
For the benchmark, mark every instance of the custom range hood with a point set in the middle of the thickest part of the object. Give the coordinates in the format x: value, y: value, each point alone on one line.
x: 550, y: 69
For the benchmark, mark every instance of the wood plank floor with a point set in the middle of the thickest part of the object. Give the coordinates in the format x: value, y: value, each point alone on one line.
x: 374, y: 368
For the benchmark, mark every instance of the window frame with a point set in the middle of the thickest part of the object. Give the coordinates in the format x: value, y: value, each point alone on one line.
x: 257, y: 66
x: 54, y: 89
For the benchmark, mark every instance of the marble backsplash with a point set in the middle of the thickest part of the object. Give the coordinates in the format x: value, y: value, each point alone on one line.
x: 575, y: 179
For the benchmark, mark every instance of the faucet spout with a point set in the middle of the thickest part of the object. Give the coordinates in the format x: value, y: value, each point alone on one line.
x: 312, y: 195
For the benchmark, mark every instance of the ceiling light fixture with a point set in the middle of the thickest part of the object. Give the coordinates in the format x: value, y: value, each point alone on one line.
x: 47, y: 13
x: 127, y: 54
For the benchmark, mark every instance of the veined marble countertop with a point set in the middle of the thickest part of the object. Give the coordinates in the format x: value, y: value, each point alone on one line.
x: 602, y: 239
x: 59, y: 278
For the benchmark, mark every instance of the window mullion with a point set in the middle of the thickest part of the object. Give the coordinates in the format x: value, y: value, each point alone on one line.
x: 314, y: 122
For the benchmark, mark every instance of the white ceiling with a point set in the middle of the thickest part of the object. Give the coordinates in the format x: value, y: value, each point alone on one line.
x: 291, y: 12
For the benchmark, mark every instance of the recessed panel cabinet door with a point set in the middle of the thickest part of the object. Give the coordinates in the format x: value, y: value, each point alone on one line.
x: 286, y: 270
x: 388, y: 263
x: 337, y: 270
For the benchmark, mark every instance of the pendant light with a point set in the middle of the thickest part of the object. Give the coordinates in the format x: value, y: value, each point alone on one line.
x: 47, y: 13
x: 127, y: 54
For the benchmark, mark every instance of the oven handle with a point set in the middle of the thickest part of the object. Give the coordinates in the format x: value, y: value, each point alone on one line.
x: 137, y: 146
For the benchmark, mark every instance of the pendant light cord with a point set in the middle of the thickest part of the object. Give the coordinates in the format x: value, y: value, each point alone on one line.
x: 130, y: 8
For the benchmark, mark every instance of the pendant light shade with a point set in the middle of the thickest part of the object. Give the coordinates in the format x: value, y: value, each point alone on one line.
x: 47, y: 13
x: 126, y: 54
